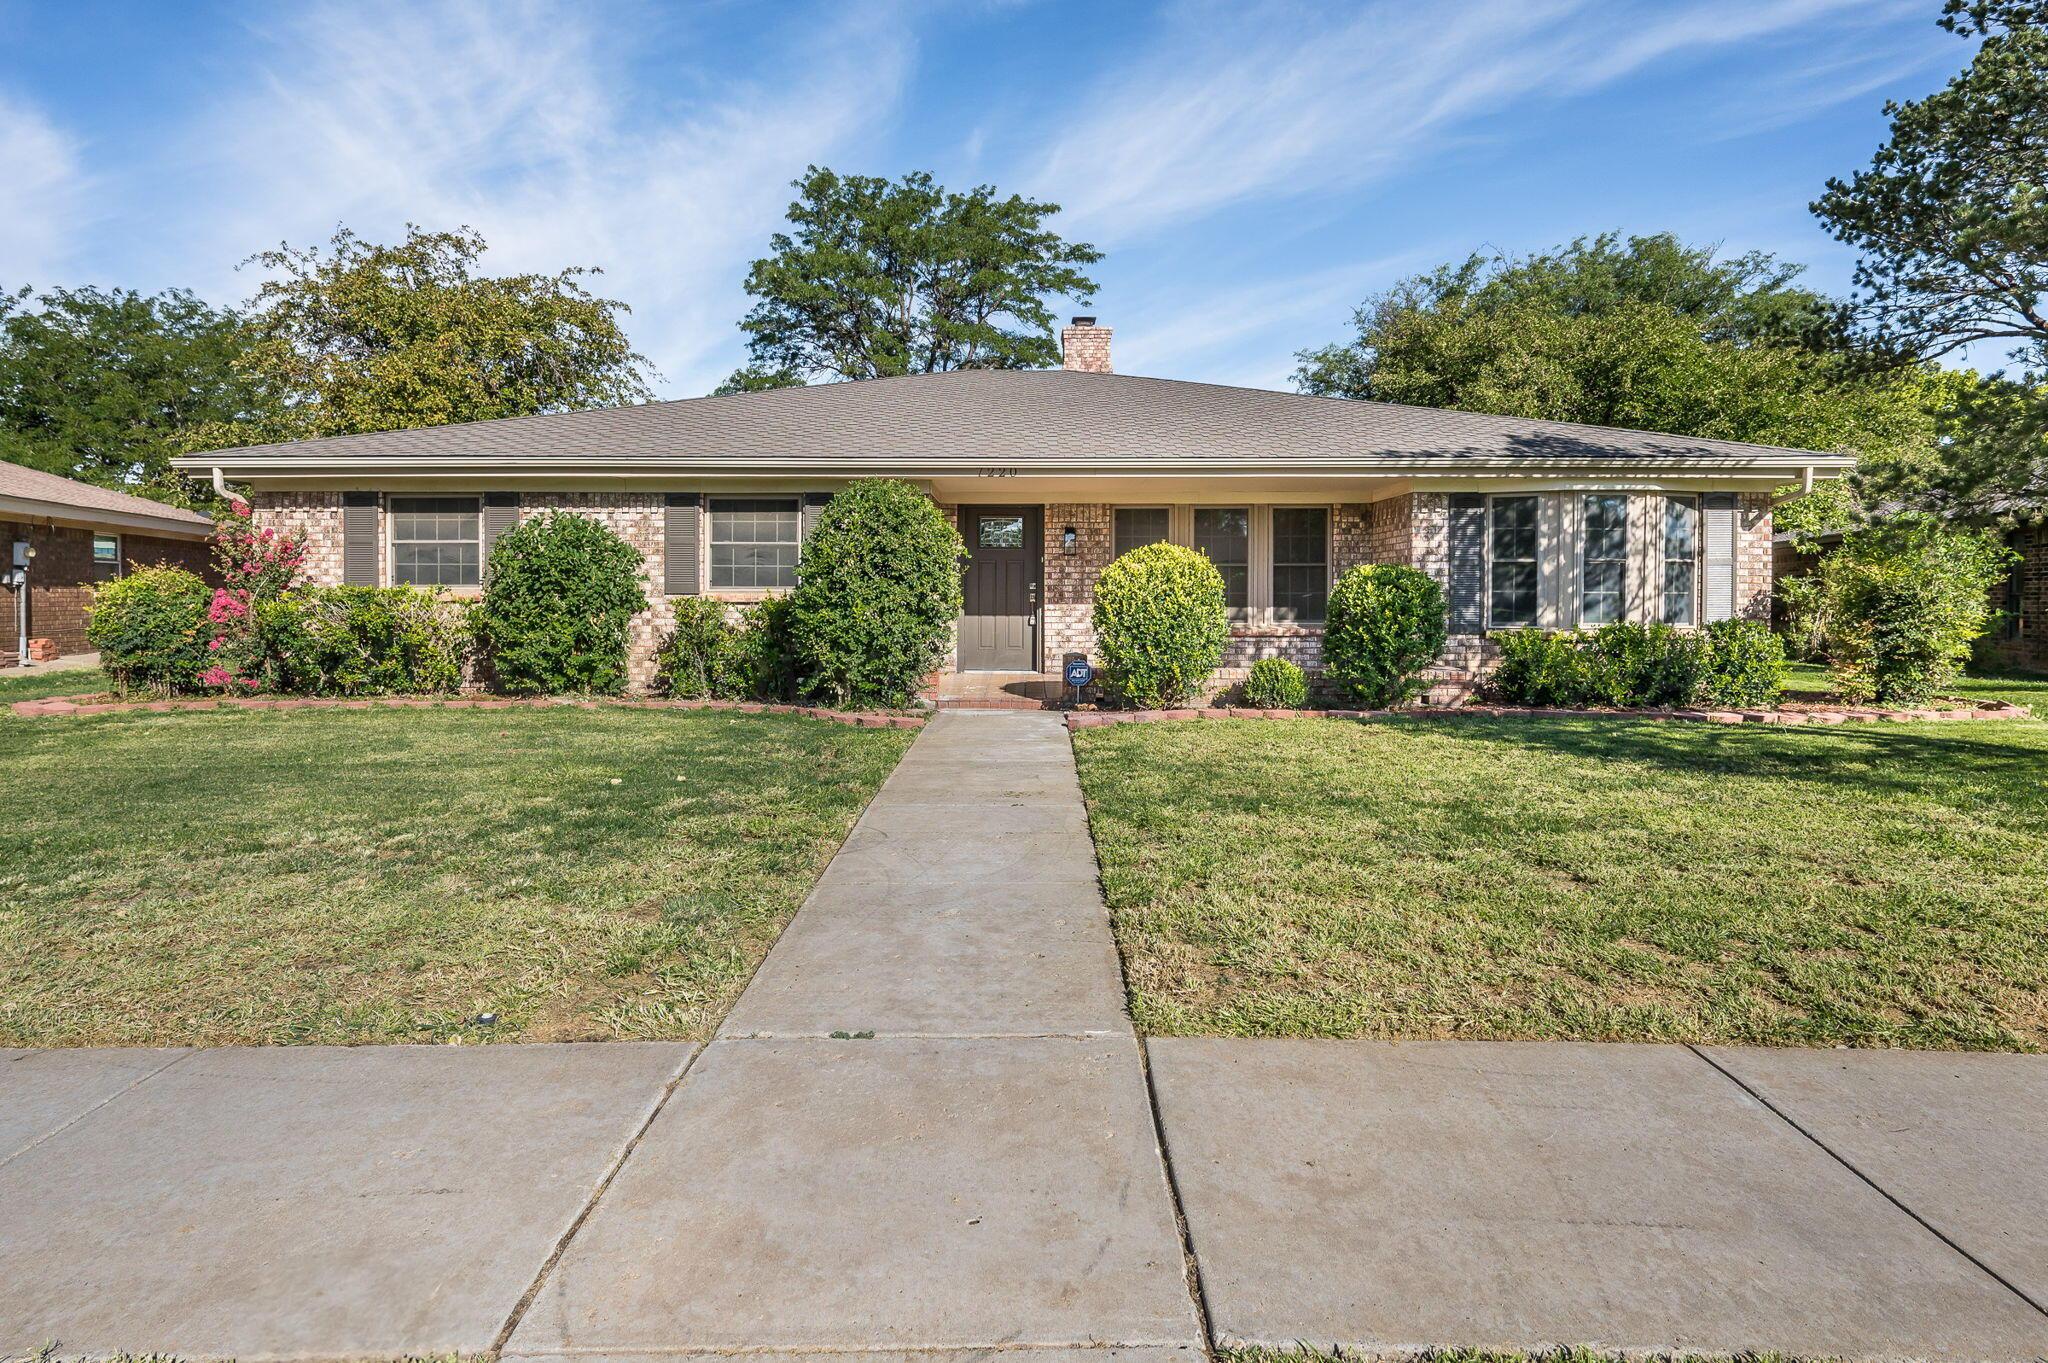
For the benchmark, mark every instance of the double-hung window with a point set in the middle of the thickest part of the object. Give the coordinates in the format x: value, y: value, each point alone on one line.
x: 106, y: 557
x: 754, y: 543
x: 1225, y: 535
x: 1301, y: 563
x: 436, y: 541
x: 1137, y: 526
x: 1511, y: 561
x: 1603, y: 565
x: 1681, y: 588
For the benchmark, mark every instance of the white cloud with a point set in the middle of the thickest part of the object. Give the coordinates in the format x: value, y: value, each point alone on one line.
x: 42, y: 195
x: 1278, y: 99
x: 524, y: 121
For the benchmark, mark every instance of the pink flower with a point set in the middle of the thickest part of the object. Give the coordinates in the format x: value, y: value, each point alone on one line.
x: 238, y: 506
x: 215, y: 643
x: 214, y: 676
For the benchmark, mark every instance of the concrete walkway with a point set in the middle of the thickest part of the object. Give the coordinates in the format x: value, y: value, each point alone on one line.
x: 926, y: 1132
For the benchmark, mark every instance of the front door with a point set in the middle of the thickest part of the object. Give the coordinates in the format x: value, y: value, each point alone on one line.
x: 999, y: 631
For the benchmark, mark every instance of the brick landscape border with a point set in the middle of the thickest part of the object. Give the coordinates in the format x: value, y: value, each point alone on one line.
x: 1844, y: 715
x: 91, y: 705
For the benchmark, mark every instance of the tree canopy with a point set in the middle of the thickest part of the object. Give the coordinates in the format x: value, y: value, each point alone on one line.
x: 367, y: 337
x: 878, y: 277
x: 106, y: 385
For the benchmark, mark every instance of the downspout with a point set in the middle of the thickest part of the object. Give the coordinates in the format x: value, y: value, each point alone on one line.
x: 220, y: 483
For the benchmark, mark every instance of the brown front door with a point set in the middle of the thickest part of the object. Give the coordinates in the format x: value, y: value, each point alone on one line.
x: 999, y: 630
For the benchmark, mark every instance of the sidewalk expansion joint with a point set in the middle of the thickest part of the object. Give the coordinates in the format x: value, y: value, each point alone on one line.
x: 1190, y: 1263
x: 1876, y: 1187
x: 102, y: 1103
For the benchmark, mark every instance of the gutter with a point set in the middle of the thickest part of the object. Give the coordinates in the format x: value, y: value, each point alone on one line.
x: 87, y: 517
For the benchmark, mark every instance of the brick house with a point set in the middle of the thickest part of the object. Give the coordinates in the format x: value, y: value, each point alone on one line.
x: 81, y: 535
x: 1050, y: 474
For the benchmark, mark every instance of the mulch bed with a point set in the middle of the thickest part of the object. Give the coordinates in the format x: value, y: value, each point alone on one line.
x: 108, y: 705
x: 1801, y: 712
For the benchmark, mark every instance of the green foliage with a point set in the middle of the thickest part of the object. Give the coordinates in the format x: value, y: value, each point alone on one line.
x: 151, y: 630
x: 1386, y: 623
x: 877, y: 595
x: 1804, y: 602
x: 1160, y: 625
x: 104, y: 385
x: 558, y: 593
x: 1539, y: 667
x: 686, y: 665
x: 879, y: 278
x: 366, y: 337
x: 1275, y: 684
x: 1744, y: 666
x: 1622, y: 665
x: 357, y: 641
x: 1905, y: 600
x: 756, y: 662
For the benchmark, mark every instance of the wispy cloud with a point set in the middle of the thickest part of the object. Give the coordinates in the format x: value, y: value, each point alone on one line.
x: 42, y: 195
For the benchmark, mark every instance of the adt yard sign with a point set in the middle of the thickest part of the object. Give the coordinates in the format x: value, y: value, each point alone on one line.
x: 1079, y: 673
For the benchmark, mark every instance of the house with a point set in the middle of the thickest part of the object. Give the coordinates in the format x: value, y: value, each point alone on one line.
x: 1049, y: 475
x: 69, y: 536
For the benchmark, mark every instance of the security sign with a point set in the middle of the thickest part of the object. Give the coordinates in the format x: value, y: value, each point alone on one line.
x: 1079, y: 673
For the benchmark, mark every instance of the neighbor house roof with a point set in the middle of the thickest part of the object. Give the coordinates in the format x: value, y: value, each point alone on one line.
x: 36, y: 495
x: 1036, y: 420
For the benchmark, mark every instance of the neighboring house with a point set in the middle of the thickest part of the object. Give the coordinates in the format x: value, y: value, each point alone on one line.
x: 81, y: 535
x: 1049, y: 475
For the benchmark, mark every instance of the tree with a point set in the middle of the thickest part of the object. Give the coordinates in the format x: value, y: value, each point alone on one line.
x: 1951, y: 219
x: 366, y: 337
x: 104, y: 385
x: 879, y: 278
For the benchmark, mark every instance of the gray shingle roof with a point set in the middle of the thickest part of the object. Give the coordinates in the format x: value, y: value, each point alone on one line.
x: 34, y: 485
x: 1013, y: 417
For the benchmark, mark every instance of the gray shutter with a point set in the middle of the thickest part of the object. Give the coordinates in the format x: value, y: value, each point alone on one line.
x: 1717, y: 555
x: 679, y: 543
x: 814, y: 502
x: 1468, y: 563
x: 359, y: 539
x: 501, y: 513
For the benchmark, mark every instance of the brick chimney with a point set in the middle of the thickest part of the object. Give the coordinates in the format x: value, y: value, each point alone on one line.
x: 1085, y: 346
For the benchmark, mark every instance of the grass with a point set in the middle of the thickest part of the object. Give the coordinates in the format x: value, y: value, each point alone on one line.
x: 76, y: 681
x: 1559, y: 1355
x: 2015, y: 688
x: 359, y: 876
x: 1594, y: 879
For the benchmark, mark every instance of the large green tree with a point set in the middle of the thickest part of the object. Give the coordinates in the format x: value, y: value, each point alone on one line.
x: 105, y: 385
x: 1951, y: 219
x: 878, y: 277
x: 368, y: 337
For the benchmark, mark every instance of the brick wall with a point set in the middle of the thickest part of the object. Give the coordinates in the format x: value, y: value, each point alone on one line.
x: 1386, y: 533
x: 1753, y: 570
x: 2021, y: 637
x: 60, y: 579
x: 314, y: 517
x: 1068, y: 611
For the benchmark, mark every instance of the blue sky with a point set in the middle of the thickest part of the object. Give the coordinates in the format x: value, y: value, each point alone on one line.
x: 1252, y: 170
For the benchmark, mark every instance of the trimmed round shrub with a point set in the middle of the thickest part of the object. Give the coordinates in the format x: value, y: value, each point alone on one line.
x: 1628, y: 664
x: 688, y: 661
x: 1387, y: 622
x: 151, y: 630
x: 1275, y: 684
x: 1160, y: 625
x: 1744, y: 665
x: 1905, y: 600
x: 877, y: 596
x: 559, y: 592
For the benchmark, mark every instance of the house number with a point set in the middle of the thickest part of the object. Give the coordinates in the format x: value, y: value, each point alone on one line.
x: 995, y: 473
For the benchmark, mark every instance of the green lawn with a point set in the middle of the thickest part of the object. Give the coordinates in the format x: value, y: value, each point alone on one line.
x: 387, y: 875
x: 2015, y: 688
x: 75, y: 681
x: 1878, y: 885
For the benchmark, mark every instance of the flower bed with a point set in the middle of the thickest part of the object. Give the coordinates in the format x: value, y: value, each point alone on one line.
x: 1790, y: 714
x: 99, y: 705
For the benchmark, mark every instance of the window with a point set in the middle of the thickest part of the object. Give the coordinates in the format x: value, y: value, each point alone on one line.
x: 1225, y: 535
x: 435, y: 541
x: 1603, y: 563
x: 1681, y: 561
x: 106, y: 557
x: 754, y: 542
x: 1511, y: 567
x: 1138, y: 526
x: 1000, y: 532
x: 1301, y: 562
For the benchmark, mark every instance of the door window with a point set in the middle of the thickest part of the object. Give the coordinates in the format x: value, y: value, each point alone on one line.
x: 1000, y: 532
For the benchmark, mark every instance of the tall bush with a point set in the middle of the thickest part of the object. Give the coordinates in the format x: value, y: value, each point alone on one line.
x: 1905, y: 600
x: 877, y: 595
x: 1745, y: 665
x: 559, y: 592
x: 1160, y: 625
x: 1387, y: 622
x: 151, y: 630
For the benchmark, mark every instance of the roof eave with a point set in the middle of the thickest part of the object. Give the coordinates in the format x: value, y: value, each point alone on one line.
x: 90, y: 517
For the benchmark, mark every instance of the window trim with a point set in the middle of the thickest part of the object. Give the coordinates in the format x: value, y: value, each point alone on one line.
x: 708, y: 538
x: 119, y: 564
x: 1665, y: 560
x: 390, y: 514
x: 1584, y: 546
x: 1535, y: 620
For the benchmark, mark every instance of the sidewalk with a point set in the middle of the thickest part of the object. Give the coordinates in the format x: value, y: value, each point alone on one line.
x: 927, y: 1128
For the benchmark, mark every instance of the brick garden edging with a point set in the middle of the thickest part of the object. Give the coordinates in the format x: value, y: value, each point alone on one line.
x: 1844, y: 715
x: 86, y: 705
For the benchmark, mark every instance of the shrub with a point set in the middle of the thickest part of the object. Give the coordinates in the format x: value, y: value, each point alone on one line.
x: 1745, y: 665
x: 1160, y: 625
x: 1628, y: 664
x: 151, y: 630
x: 755, y: 663
x: 688, y: 661
x: 1275, y: 684
x: 1539, y: 667
x: 1905, y: 600
x: 559, y: 592
x: 1804, y: 602
x: 354, y: 641
x: 1387, y: 622
x: 877, y: 596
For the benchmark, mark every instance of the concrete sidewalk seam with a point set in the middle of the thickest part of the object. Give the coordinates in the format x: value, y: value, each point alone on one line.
x: 526, y: 1299
x: 1870, y: 1182
x: 76, y: 1119
x: 1191, y: 1263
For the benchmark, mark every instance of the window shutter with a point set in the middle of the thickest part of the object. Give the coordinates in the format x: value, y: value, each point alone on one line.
x: 1468, y: 563
x: 1717, y: 555
x: 359, y: 530
x: 814, y: 502
x: 501, y: 513
x: 681, y: 533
